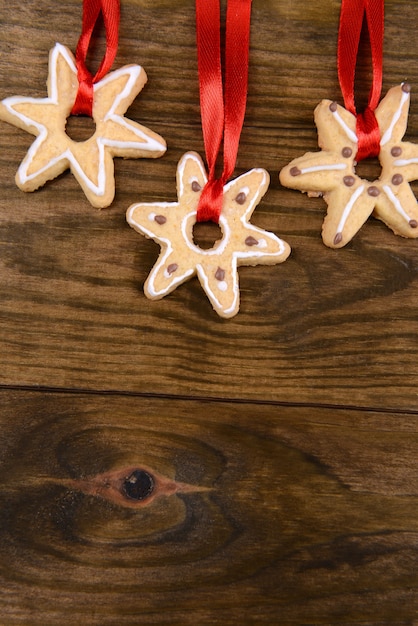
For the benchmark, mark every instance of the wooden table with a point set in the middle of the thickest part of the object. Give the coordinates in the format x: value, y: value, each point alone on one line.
x: 276, y: 452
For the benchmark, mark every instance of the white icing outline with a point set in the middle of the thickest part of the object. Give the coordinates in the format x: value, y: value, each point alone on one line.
x: 391, y: 117
x: 181, y: 167
x: 395, y: 201
x: 320, y: 168
x: 262, y: 233
x: 403, y: 162
x: 133, y: 71
x: 67, y: 156
x: 220, y: 246
x: 388, y: 133
x: 197, y: 267
x: 350, y: 134
x: 162, y: 240
x: 347, y: 209
x: 235, y: 290
x: 177, y: 279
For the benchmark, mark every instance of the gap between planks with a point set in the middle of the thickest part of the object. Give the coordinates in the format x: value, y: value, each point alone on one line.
x: 207, y: 399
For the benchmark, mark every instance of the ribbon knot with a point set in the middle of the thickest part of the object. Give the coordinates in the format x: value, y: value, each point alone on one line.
x: 368, y: 135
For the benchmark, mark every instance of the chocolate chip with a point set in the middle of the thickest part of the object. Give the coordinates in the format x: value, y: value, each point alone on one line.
x: 160, y: 219
x: 333, y: 107
x: 251, y: 241
x: 373, y: 191
x: 413, y: 223
x: 196, y: 186
x: 338, y: 239
x: 295, y: 171
x: 397, y: 179
x: 172, y: 268
x: 138, y: 486
x: 346, y: 152
x: 220, y: 274
x: 406, y: 87
x: 396, y: 151
x: 241, y: 197
x: 349, y: 181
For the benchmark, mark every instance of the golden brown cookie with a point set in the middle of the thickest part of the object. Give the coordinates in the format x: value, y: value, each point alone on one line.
x: 90, y: 161
x: 331, y: 172
x: 170, y: 224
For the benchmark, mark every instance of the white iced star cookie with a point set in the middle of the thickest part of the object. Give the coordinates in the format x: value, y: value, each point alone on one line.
x: 331, y: 172
x: 90, y: 161
x: 170, y: 224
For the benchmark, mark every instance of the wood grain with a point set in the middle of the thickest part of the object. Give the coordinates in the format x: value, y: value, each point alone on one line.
x: 325, y: 327
x: 280, y: 447
x: 293, y: 515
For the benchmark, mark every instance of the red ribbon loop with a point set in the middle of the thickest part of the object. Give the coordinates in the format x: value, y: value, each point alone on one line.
x: 222, y: 115
x: 110, y: 10
x: 353, y: 13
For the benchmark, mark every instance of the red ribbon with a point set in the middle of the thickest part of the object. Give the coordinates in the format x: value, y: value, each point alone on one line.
x: 353, y: 13
x: 222, y: 115
x: 110, y: 10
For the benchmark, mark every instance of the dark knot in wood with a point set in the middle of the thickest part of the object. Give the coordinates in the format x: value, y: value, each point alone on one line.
x: 139, y: 485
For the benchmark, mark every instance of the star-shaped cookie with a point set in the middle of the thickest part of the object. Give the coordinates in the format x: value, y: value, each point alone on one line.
x: 170, y: 224
x: 331, y: 172
x: 90, y: 161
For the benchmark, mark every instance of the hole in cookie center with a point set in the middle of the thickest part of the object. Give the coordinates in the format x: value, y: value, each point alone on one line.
x: 206, y: 234
x: 369, y: 169
x: 80, y: 127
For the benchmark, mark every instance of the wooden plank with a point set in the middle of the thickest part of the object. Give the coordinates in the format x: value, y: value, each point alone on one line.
x: 267, y: 515
x: 336, y: 327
